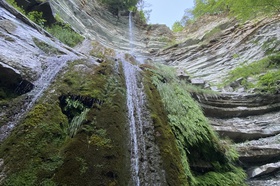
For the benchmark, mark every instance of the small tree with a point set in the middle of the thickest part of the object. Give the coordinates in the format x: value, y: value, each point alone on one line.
x: 177, y: 27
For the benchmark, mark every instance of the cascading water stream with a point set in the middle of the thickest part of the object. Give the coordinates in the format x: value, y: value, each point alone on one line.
x: 130, y: 32
x: 145, y: 158
x: 55, y: 65
x: 132, y: 104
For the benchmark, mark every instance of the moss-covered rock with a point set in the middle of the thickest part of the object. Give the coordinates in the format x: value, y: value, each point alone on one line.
x: 202, y: 154
x: 41, y: 150
x: 165, y: 138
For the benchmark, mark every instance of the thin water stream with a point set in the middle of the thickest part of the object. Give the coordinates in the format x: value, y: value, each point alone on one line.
x: 145, y: 156
x: 47, y: 76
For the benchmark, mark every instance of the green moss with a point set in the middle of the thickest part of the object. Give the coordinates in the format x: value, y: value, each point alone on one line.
x: 165, y: 138
x: 48, y: 49
x: 36, y: 139
x: 224, y: 178
x: 200, y: 149
x: 98, y: 151
x: 100, y: 51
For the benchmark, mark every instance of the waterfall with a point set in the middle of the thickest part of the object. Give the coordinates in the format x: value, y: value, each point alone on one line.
x: 130, y: 32
x: 134, y: 115
x: 145, y: 155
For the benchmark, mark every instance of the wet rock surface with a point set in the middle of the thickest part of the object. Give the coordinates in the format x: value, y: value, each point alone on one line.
x: 11, y: 81
x: 96, y: 23
x: 232, y: 45
x: 226, y: 105
x: 251, y: 120
x: 26, y: 67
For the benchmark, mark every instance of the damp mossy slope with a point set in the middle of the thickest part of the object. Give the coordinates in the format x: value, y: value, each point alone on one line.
x: 204, y: 158
x: 75, y: 134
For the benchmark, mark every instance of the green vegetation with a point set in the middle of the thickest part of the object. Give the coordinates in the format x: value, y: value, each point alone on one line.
x: 238, y: 8
x: 270, y: 45
x: 14, y: 4
x: 203, y: 155
x: 136, y: 6
x: 264, y: 74
x: 65, y: 34
x: 101, y: 51
x: 48, y: 49
x: 165, y: 139
x: 115, y: 6
x: 60, y: 30
x: 74, y: 134
x: 37, y: 17
x: 177, y: 27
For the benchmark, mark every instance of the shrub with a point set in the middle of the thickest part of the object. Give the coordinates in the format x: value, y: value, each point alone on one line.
x: 265, y: 72
x: 37, y: 17
x: 65, y: 34
x: 177, y: 27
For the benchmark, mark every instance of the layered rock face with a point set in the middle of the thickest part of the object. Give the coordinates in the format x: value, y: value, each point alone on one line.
x: 249, y: 119
x: 96, y: 23
x: 27, y: 64
x: 252, y: 121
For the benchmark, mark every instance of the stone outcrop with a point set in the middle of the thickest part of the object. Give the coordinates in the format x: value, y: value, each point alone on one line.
x: 25, y: 67
x: 248, y: 128
x: 252, y: 121
x: 265, y: 169
x: 208, y: 52
x: 220, y: 45
x: 226, y: 105
x: 94, y: 22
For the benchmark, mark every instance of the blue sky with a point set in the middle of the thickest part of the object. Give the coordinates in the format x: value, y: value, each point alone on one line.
x: 168, y: 11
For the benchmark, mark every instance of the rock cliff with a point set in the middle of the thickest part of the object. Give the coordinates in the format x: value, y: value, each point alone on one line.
x: 251, y: 119
x: 36, y: 65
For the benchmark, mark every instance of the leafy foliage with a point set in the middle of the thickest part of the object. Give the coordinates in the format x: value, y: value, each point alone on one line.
x: 197, y: 141
x: 177, y: 27
x: 60, y: 30
x: 115, y: 6
x: 65, y: 34
x: 243, y: 9
x: 37, y: 17
x: 265, y: 72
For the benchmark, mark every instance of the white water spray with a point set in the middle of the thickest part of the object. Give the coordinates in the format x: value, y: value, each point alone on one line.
x: 130, y: 32
x: 133, y: 113
x: 145, y: 161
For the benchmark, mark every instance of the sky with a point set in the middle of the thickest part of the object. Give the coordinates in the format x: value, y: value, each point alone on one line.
x: 167, y: 11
